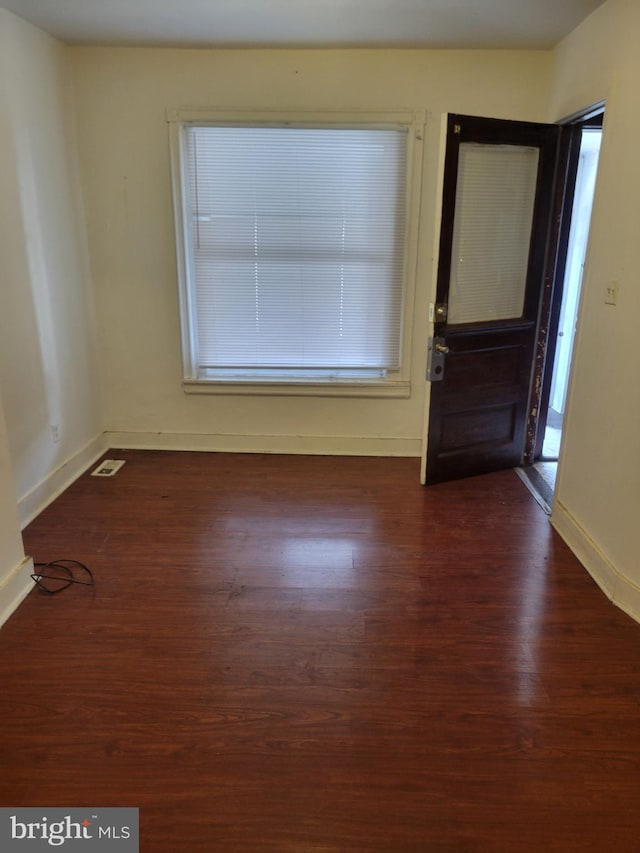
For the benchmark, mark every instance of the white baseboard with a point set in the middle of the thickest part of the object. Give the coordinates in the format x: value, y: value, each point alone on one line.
x: 618, y: 588
x: 48, y: 489
x: 14, y: 588
x: 292, y: 444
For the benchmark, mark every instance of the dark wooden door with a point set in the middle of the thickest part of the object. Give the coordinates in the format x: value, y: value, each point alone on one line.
x: 496, y: 226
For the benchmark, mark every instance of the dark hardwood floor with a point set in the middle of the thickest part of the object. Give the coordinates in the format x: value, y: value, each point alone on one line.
x: 298, y: 654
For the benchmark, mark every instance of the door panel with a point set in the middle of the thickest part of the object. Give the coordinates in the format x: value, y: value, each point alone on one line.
x: 482, y: 414
x: 497, y: 196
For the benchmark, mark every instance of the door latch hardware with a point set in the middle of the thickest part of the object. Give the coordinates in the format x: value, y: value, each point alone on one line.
x: 441, y: 311
x: 435, y: 359
x: 437, y: 312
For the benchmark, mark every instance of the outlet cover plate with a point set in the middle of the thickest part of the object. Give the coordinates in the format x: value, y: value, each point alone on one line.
x: 611, y: 292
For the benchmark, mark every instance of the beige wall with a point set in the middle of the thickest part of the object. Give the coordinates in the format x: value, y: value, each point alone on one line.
x: 48, y: 366
x: 122, y: 98
x: 14, y: 580
x: 14, y: 568
x: 598, y: 492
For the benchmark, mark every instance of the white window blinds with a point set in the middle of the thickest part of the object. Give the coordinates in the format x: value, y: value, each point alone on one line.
x: 296, y: 242
x: 495, y: 198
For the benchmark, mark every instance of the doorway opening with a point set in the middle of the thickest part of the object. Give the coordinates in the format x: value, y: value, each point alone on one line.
x: 574, y: 268
x: 583, y: 149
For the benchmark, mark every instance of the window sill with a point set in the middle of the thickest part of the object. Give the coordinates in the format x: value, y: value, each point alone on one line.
x: 270, y: 388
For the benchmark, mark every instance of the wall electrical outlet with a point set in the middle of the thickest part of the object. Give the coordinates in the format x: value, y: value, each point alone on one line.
x: 55, y: 433
x: 108, y: 467
x: 611, y: 292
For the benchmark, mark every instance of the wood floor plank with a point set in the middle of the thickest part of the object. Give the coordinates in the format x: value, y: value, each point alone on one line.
x: 299, y: 654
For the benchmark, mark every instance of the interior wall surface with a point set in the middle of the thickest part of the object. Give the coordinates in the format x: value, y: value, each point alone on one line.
x: 48, y: 360
x: 597, y: 503
x: 122, y: 99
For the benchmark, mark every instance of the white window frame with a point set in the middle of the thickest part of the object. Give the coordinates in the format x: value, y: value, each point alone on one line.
x: 393, y: 384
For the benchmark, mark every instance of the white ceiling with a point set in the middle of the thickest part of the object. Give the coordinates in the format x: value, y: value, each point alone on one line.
x: 308, y: 23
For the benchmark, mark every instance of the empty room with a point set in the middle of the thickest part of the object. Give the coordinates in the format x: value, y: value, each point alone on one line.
x: 281, y: 296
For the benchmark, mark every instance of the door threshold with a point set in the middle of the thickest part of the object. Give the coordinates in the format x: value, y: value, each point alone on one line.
x: 537, y: 485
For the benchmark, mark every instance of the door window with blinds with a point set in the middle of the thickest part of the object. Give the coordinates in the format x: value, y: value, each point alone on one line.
x: 291, y: 245
x: 495, y: 199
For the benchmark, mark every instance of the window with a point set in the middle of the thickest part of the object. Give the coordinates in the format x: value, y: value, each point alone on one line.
x: 292, y: 244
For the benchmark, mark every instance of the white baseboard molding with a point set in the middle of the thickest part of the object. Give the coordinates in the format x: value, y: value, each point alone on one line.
x: 48, y: 489
x: 14, y: 588
x: 618, y: 588
x: 288, y: 444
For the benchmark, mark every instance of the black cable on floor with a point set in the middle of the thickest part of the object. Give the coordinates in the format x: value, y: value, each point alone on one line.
x: 56, y: 582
